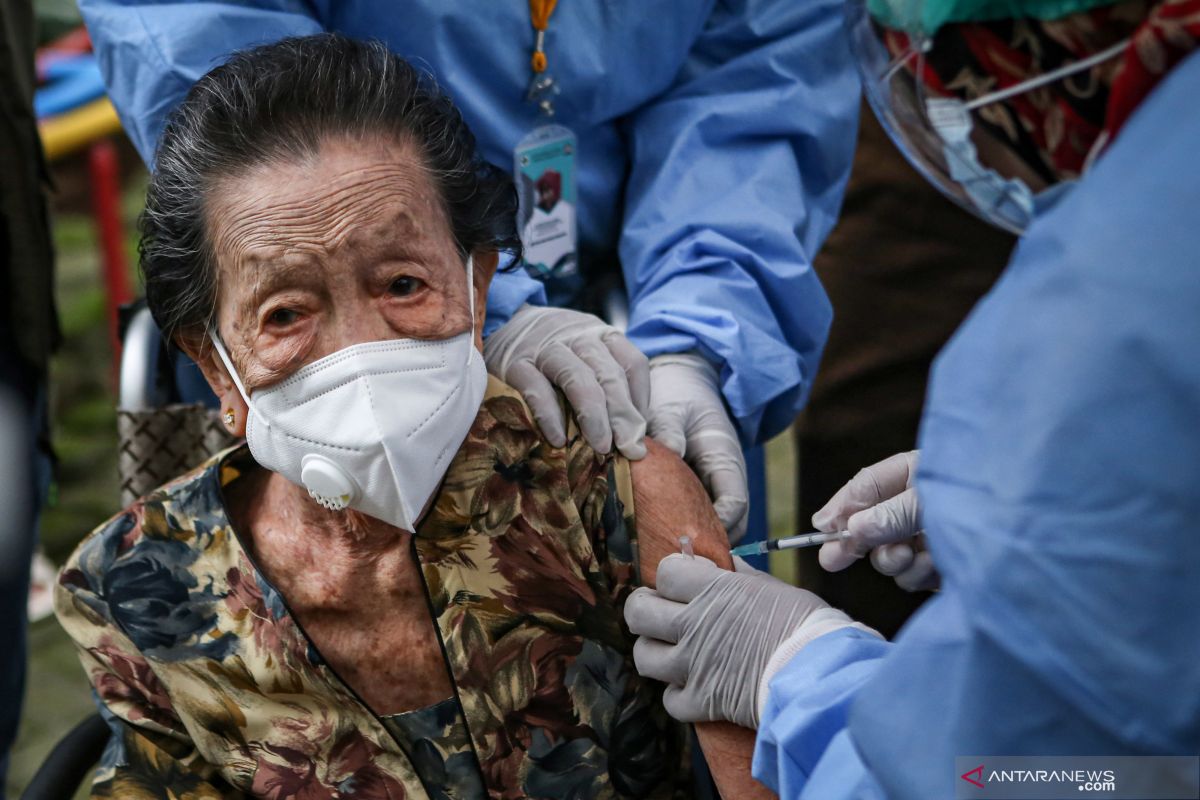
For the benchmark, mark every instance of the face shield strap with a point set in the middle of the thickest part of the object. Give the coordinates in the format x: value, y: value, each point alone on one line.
x: 1065, y: 71
x: 915, y: 48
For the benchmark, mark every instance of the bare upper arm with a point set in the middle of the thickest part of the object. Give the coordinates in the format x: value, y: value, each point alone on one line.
x: 671, y: 502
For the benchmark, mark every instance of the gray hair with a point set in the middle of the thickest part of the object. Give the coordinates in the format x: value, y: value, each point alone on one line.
x: 281, y: 101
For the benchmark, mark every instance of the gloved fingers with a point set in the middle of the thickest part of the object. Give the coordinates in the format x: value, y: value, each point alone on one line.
x: 627, y: 423
x: 681, y: 705
x: 666, y: 425
x: 659, y: 661
x: 738, y: 531
x: 731, y: 499
x: 717, y: 458
x: 871, y: 485
x: 682, y: 577
x: 636, y: 366
x: 836, y: 556
x: 895, y: 519
x: 543, y: 401
x: 578, y: 381
x: 892, y: 559
x: 649, y: 614
x: 921, y: 576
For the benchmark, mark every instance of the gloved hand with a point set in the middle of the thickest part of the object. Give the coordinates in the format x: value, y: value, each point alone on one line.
x: 718, y: 637
x: 879, y: 507
x: 687, y: 416
x: 605, y: 378
x: 909, y: 563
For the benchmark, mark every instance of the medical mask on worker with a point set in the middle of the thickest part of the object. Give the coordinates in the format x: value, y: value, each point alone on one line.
x: 371, y: 427
x: 974, y: 111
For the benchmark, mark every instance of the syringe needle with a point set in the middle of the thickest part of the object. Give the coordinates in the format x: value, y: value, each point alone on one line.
x: 752, y: 549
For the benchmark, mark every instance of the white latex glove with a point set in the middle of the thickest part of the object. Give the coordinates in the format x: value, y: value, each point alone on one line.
x: 687, y: 416
x: 879, y: 507
x: 605, y: 378
x: 718, y: 637
x: 909, y: 563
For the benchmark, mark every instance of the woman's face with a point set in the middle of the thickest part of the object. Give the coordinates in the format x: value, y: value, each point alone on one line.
x: 350, y: 246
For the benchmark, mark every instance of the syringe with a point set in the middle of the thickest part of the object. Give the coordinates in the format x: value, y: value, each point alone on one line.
x: 789, y: 542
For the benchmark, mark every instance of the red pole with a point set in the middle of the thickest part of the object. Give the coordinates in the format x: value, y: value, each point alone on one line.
x: 106, y: 210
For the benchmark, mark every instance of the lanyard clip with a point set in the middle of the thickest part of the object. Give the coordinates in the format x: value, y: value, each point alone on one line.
x: 541, y: 91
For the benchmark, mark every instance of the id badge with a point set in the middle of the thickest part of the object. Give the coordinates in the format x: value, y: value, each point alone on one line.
x: 544, y: 167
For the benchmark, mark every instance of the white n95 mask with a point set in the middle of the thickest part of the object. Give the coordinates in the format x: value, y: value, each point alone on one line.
x: 371, y: 427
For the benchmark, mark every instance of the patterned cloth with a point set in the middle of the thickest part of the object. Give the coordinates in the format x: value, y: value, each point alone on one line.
x: 1058, y: 129
x: 528, y: 554
x: 438, y: 744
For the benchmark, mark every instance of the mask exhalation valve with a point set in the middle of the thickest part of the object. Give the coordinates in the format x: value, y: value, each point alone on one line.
x: 327, y: 483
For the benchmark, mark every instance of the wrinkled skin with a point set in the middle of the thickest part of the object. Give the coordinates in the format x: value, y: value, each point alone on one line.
x: 314, y: 255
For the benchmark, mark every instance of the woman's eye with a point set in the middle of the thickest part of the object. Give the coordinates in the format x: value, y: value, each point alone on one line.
x: 282, y: 317
x: 403, y: 287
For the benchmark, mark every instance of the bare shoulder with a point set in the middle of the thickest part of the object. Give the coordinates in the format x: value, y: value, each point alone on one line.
x: 671, y: 502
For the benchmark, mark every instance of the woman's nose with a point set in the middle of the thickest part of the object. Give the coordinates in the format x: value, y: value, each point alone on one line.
x: 361, y: 321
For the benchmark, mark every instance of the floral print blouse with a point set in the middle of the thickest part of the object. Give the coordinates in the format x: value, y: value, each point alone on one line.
x: 528, y: 554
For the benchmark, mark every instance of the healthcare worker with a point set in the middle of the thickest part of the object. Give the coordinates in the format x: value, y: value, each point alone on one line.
x: 1059, y: 476
x: 673, y: 156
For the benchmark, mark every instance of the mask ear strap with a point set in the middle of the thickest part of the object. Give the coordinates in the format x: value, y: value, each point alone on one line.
x: 471, y: 288
x: 220, y: 348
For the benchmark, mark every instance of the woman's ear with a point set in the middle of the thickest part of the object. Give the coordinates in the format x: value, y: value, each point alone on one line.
x: 485, y: 263
x: 234, y: 411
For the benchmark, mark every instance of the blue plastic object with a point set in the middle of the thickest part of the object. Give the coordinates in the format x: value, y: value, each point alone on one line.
x: 72, y: 82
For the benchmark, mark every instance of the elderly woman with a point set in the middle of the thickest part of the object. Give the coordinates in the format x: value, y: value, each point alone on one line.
x: 398, y: 587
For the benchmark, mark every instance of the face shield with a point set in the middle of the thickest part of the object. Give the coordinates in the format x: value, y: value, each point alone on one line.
x: 990, y: 110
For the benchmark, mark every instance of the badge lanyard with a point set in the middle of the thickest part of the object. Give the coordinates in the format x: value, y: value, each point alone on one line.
x: 542, y: 88
x: 544, y: 169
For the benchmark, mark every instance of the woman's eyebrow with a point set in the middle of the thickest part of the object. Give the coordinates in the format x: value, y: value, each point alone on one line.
x: 273, y: 275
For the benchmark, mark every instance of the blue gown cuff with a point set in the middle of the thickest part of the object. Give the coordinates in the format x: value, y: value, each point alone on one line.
x: 808, y: 704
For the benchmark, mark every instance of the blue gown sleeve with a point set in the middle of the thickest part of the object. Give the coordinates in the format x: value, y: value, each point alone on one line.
x: 152, y: 53
x: 736, y: 176
x: 1059, y: 480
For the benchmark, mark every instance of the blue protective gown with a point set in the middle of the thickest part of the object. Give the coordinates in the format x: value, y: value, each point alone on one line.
x: 1060, y: 476
x: 715, y: 139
